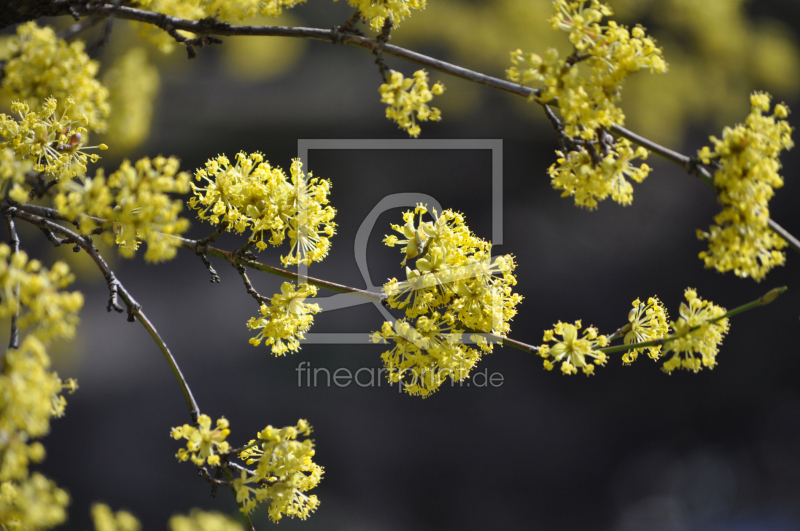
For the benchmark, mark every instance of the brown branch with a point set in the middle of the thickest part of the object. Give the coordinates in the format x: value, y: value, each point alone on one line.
x: 13, y: 342
x: 117, y: 290
x: 209, y: 27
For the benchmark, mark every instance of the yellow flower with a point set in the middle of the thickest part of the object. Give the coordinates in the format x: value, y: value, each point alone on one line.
x: 377, y: 11
x: 105, y: 519
x: 133, y: 85
x: 648, y: 322
x: 427, y: 353
x: 287, y: 319
x: 573, y: 351
x: 204, y: 444
x: 285, y: 472
x: 252, y: 195
x: 589, y: 181
x: 747, y: 174
x: 204, y: 521
x: 587, y: 99
x: 407, y: 100
x: 43, y: 66
x: 705, y: 340
x: 48, y: 138
x: 455, y: 287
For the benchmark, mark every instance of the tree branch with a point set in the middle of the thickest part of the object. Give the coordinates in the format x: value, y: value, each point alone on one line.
x: 208, y: 27
x: 13, y: 342
x: 116, y: 288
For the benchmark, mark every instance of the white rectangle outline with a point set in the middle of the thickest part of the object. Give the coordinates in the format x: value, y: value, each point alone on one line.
x: 496, y: 147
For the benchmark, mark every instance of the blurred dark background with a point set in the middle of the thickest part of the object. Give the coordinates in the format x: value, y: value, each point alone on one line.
x: 628, y: 449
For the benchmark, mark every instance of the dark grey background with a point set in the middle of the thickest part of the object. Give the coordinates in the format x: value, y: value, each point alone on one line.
x: 630, y: 448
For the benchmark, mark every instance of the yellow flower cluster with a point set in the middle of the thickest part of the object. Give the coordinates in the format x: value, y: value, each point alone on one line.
x: 377, y: 11
x: 286, y: 318
x: 30, y: 394
x: 588, y: 103
x: 105, y: 519
x: 406, y: 96
x: 34, y: 291
x: 135, y: 201
x: 133, y: 84
x: 589, y: 181
x: 455, y: 287
x: 747, y: 174
x: 704, y: 341
x: 285, y: 471
x: 43, y: 66
x: 204, y: 444
x: 12, y: 172
x: 203, y: 521
x: 427, y: 353
x: 573, y: 351
x: 35, y: 503
x: 610, y: 52
x: 648, y: 321
x: 254, y: 196
x: 48, y: 138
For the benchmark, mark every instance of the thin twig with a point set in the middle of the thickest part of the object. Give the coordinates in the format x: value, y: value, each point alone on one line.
x: 79, y: 27
x: 117, y: 289
x: 260, y: 299
x: 13, y: 238
x: 208, y: 27
x: 213, y: 27
x: 229, y: 257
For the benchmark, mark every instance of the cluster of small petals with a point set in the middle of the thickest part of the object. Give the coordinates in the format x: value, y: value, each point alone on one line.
x: 35, y: 292
x: 455, y: 286
x: 133, y: 84
x: 42, y: 66
x: 407, y: 100
x: 204, y: 444
x: 747, y: 174
x: 12, y: 174
x: 203, y: 521
x: 48, y: 138
x: 142, y: 210
x: 273, y: 8
x: 590, y: 178
x: 425, y: 354
x: 105, y: 519
x: 284, y: 473
x: 695, y: 349
x: 30, y: 393
x: 252, y: 195
x: 588, y: 98
x: 580, y: 20
x: 377, y: 11
x: 283, y: 323
x: 573, y: 352
x: 648, y: 322
x: 34, y: 503
x: 134, y: 201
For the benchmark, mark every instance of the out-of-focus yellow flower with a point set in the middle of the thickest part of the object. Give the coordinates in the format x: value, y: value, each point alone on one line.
x: 133, y: 85
x: 42, y: 66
